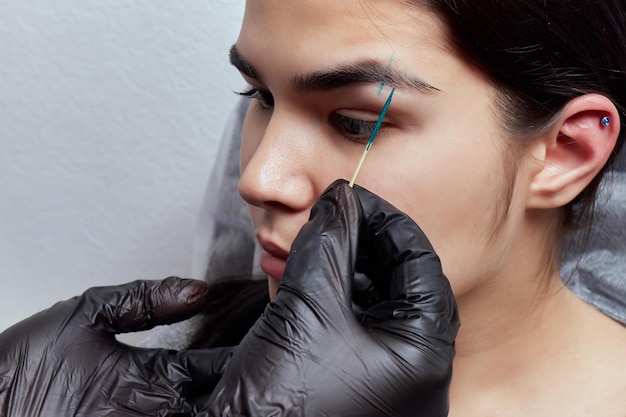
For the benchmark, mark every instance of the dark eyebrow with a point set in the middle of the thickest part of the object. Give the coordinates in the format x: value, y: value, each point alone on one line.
x: 367, y: 71
x: 238, y: 61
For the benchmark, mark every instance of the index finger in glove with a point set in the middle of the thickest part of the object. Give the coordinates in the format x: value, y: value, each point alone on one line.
x: 141, y: 305
x: 322, y: 257
x: 398, y: 257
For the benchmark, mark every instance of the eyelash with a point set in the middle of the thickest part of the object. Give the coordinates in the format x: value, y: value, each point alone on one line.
x: 355, y: 130
x: 265, y: 98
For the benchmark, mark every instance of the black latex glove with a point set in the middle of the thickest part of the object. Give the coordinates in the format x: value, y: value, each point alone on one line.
x: 65, y: 361
x: 308, y: 355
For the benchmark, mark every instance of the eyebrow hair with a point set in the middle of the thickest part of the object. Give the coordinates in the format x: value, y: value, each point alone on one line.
x: 238, y: 61
x: 367, y: 71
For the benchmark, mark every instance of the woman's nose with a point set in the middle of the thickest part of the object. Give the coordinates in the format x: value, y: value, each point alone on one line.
x: 278, y: 165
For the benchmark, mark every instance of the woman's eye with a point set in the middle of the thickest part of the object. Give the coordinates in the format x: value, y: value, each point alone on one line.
x: 265, y: 98
x: 354, y: 129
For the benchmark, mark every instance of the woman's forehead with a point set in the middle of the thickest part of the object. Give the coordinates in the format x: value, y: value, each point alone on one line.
x: 352, y: 20
x: 318, y: 35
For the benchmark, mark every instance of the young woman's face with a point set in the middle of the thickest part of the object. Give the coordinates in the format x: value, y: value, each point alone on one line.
x: 316, y: 68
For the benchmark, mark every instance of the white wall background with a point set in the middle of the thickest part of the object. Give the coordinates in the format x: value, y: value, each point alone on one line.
x: 110, y: 115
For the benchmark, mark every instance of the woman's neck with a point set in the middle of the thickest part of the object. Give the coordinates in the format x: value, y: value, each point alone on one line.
x: 532, y: 352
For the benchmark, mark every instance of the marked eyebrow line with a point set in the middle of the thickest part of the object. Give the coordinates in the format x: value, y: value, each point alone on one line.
x: 366, y: 71
x: 382, y: 84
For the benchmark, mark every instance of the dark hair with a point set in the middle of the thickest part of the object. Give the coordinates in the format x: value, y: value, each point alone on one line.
x: 540, y: 54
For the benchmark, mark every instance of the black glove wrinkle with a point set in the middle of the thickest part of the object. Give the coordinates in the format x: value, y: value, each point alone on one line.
x: 313, y: 357
x: 65, y: 361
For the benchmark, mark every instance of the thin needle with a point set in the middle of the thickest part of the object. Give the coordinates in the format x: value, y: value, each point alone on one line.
x: 379, y: 123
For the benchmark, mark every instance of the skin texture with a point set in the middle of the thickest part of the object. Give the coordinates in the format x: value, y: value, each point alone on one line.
x: 442, y: 158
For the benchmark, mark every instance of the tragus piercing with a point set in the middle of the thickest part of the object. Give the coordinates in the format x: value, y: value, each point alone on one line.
x: 605, y: 121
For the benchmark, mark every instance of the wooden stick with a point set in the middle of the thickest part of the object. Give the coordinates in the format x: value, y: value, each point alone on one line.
x: 379, y: 123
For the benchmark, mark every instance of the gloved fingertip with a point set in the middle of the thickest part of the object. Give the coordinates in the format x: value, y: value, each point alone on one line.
x: 340, y: 195
x: 176, y: 299
x: 193, y: 292
x: 338, y: 187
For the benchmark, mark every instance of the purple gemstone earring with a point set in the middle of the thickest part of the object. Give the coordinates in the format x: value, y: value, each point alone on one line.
x: 605, y: 121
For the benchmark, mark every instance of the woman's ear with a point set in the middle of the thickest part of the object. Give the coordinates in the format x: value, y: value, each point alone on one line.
x: 575, y: 150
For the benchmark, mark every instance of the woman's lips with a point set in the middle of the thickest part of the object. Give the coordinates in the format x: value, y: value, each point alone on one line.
x: 272, y: 265
x: 273, y: 260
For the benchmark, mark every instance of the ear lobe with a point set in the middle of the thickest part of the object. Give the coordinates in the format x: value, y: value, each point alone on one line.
x: 575, y: 151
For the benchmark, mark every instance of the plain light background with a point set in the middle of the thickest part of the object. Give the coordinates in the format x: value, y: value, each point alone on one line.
x: 110, y: 116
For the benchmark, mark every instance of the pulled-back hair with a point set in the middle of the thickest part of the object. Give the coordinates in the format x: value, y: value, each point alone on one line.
x: 540, y: 54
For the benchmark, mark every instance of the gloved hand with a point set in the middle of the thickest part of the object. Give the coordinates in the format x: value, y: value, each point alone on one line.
x: 65, y: 361
x: 308, y: 355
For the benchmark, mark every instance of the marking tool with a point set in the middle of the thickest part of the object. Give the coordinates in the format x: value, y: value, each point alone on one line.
x: 379, y: 123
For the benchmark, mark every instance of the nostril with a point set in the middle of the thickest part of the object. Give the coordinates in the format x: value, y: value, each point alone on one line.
x: 276, y: 205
